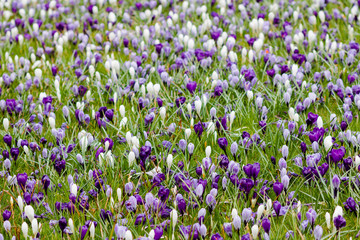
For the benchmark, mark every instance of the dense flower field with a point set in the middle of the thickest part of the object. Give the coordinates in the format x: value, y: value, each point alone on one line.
x: 165, y: 119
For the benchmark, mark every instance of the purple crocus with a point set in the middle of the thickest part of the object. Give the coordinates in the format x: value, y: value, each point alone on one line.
x: 83, y: 230
x: 217, y: 236
x: 312, y: 118
x: 278, y: 188
x: 7, y: 140
x: 252, y: 170
x: 62, y: 224
x: 191, y: 86
x: 336, y: 155
x: 6, y: 215
x: 266, y: 225
x: 223, y: 143
x: 277, y: 207
x: 21, y: 180
x: 198, y: 128
x: 339, y: 222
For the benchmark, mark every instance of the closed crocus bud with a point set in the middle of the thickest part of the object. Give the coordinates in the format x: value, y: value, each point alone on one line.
x: 169, y: 160
x: 357, y: 161
x: 52, y: 122
x: 303, y: 147
x: 25, y: 229
x: 234, y: 213
x: 119, y: 194
x: 249, y: 95
x: 198, y: 104
x: 277, y: 207
x: 71, y: 225
x: 336, y: 184
x: 255, y: 231
x: 80, y: 159
x: 187, y: 133
x: 62, y: 223
x: 328, y: 143
x: 92, y: 230
x: 260, y: 211
x: 7, y: 140
x: 208, y: 151
x: 6, y: 215
x: 228, y: 229
x: 122, y: 111
x: 319, y: 122
x: 152, y: 234
x: 29, y: 212
x: 278, y: 187
x: 223, y: 143
x: 7, y: 164
x: 26, y: 150
x: 285, y: 181
x: 162, y: 113
x: 35, y: 226
x: 66, y: 111
x: 246, y: 214
x: 328, y: 220
x: 20, y: 203
x: 233, y: 148
x: 131, y: 158
x: 236, y: 222
x: 266, y: 225
x: 285, y: 151
x: 73, y: 189
x: 82, y: 231
x: 128, y: 235
x: 7, y: 225
x: 174, y: 217
x: 318, y: 232
x: 191, y: 148
x: 6, y: 124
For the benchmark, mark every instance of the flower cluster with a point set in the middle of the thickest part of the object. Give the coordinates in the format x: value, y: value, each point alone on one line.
x: 194, y: 119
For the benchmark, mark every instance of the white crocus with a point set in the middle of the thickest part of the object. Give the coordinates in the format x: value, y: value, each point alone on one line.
x: 6, y: 124
x: 169, y: 160
x: 131, y: 158
x: 35, y: 226
x: 328, y: 143
x: 29, y: 212
x: 52, y: 122
x: 255, y: 231
x: 25, y: 229
x: 208, y: 151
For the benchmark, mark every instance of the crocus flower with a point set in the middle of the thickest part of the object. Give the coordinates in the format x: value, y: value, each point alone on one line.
x: 62, y: 224
x: 198, y: 128
x: 312, y: 118
x: 191, y: 86
x: 277, y: 207
x: 336, y: 184
x: 6, y: 215
x: 21, y: 180
x: 318, y: 232
x: 278, y: 187
x: 7, y: 140
x: 339, y: 222
x: 216, y: 236
x: 223, y: 143
x: 228, y: 229
x: 350, y: 204
x: 337, y: 155
x: 266, y: 225
x: 83, y: 230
